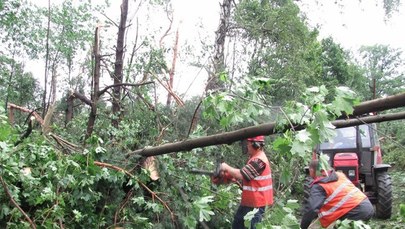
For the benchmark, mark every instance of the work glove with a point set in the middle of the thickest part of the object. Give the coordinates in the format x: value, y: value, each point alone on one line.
x: 223, y: 178
x: 215, y: 180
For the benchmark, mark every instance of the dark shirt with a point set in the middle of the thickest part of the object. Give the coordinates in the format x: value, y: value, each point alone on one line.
x: 253, y: 169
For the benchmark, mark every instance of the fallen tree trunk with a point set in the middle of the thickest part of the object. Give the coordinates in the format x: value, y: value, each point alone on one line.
x: 264, y: 129
x: 381, y: 104
x: 390, y: 102
x: 368, y: 119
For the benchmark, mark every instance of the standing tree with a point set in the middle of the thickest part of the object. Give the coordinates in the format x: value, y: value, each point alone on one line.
x: 65, y: 34
x: 58, y: 42
x: 118, y: 65
x: 382, y: 66
x: 218, y: 61
x: 338, y: 69
x: 17, y: 86
x: 282, y: 50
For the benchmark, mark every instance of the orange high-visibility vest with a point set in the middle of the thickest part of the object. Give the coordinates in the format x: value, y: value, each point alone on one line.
x: 258, y: 192
x: 341, y: 197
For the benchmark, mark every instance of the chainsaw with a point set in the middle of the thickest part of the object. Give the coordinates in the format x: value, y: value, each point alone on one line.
x: 217, y: 176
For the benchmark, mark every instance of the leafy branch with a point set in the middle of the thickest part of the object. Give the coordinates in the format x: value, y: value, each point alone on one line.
x: 3, y: 183
x: 154, y: 195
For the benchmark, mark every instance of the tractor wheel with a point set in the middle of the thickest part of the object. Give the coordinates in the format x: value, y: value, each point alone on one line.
x: 384, y: 196
x: 307, y: 188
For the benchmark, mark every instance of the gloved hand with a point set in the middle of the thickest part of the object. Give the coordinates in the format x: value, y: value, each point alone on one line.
x: 223, y: 178
x: 216, y: 180
x: 227, y: 177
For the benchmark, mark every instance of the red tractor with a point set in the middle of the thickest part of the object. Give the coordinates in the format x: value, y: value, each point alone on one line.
x: 356, y: 152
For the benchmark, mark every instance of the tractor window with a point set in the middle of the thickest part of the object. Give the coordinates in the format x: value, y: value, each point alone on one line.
x: 365, y: 136
x: 345, y: 138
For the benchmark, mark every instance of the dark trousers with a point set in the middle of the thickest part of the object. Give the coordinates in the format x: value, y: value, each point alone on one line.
x: 364, y: 211
x: 239, y: 222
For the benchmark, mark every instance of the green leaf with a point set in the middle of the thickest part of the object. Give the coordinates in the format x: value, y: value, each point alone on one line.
x: 303, y: 136
x: 203, y: 209
x: 223, y: 76
x: 285, y: 175
x: 249, y: 216
x: 225, y: 121
x: 344, y: 101
x: 4, y: 147
x: 293, y: 204
x: 315, y: 95
x: 139, y: 200
x: 155, y: 207
x: 190, y: 222
x: 402, y: 210
x: 78, y: 215
x: 300, y: 148
x: 282, y: 144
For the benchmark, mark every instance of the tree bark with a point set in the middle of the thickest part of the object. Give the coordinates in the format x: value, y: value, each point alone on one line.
x: 12, y: 106
x: 218, y: 63
x: 95, y: 94
x: 10, y: 79
x: 118, y: 70
x: 96, y: 84
x: 44, y: 106
x: 69, y: 109
x: 381, y: 104
x: 172, y: 70
x: 269, y: 128
x: 53, y: 84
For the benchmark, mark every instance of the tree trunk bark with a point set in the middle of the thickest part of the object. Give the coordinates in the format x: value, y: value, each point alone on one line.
x: 10, y: 79
x: 69, y: 109
x: 96, y: 84
x: 53, y: 84
x: 44, y: 106
x: 172, y: 70
x: 381, y: 104
x: 118, y: 70
x: 218, y: 64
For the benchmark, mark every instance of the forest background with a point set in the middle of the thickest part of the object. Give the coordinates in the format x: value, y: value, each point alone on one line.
x: 72, y: 142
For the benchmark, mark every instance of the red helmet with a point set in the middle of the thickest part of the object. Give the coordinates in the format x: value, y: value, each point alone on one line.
x: 259, y: 138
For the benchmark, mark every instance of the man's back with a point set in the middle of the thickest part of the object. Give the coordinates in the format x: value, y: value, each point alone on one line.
x: 334, y: 197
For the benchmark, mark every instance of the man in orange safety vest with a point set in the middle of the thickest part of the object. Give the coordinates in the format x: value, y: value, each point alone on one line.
x: 257, y: 187
x: 333, y: 196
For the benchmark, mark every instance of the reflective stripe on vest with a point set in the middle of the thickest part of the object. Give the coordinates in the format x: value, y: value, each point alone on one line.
x: 337, y: 191
x: 339, y: 204
x: 262, y: 177
x: 261, y: 189
x: 345, y: 197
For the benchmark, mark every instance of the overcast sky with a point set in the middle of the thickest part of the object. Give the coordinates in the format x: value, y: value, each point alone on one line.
x: 358, y: 23
x: 352, y: 23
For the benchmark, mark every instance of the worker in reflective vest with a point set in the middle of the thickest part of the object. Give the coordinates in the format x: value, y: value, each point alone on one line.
x: 257, y: 189
x: 333, y: 196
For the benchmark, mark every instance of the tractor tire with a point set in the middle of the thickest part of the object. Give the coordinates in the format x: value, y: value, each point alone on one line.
x: 384, y: 196
x: 306, y: 191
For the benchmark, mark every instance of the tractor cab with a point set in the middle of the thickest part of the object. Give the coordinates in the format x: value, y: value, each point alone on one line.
x: 356, y: 152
